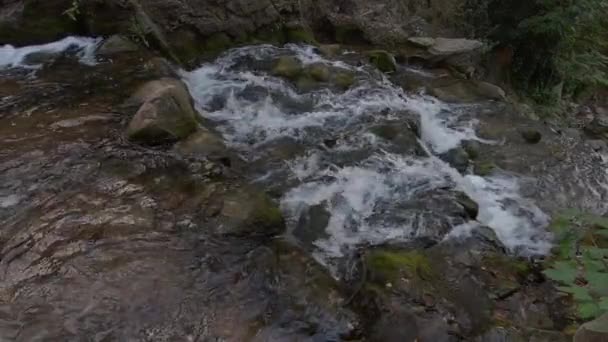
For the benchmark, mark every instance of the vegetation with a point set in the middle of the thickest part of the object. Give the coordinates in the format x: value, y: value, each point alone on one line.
x: 580, y: 265
x: 560, y: 46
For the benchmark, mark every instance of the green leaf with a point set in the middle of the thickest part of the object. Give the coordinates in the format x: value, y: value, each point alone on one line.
x: 597, y: 253
x: 579, y: 293
x: 588, y: 310
x: 562, y: 271
x: 598, y: 282
x: 603, y: 304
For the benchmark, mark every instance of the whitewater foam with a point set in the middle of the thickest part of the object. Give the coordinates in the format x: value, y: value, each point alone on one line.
x: 14, y: 57
x: 365, y: 197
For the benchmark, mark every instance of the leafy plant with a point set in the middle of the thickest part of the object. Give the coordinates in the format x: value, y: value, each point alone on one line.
x: 580, y: 265
x: 567, y: 43
x: 74, y: 10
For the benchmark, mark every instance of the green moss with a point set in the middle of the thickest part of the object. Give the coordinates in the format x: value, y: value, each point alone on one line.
x: 484, y: 169
x: 266, y: 213
x: 300, y: 35
x: 383, y: 60
x: 319, y: 72
x: 391, y: 265
x: 344, y: 79
x: 288, y: 66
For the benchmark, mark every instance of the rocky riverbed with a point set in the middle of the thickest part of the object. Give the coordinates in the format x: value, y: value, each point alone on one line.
x: 292, y: 193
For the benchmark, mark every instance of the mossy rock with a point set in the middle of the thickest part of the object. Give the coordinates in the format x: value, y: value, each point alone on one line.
x: 319, y: 71
x: 382, y: 60
x: 484, y: 168
x: 344, y: 79
x: 389, y: 266
x: 288, y: 66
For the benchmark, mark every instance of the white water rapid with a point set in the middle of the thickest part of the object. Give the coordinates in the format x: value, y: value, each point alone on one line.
x: 16, y: 57
x: 368, y: 199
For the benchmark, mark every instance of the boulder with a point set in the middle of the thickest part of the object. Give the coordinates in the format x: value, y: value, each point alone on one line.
x: 594, y: 331
x: 382, y: 60
x: 471, y: 208
x: 457, y: 158
x: 460, y: 91
x: 116, y: 44
x: 165, y: 113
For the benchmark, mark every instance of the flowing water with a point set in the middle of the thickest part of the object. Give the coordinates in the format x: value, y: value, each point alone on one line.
x: 107, y: 239
x: 374, y: 190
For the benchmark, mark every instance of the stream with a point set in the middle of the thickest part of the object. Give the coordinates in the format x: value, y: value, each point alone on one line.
x: 106, y: 240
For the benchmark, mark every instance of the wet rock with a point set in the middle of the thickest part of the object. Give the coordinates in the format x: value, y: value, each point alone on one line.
x: 311, y: 224
x: 457, y: 157
x: 472, y: 147
x: 382, y: 60
x: 458, y: 90
x: 403, y: 138
x: 471, y: 207
x: 248, y: 212
x: 42, y: 57
x: 594, y: 331
x: 490, y: 91
x: 319, y: 72
x: 531, y: 136
x: 598, y: 145
x: 166, y: 114
x: 330, y: 50
x: 344, y: 79
x: 398, y: 325
x: 116, y: 44
x: 425, y: 42
x: 501, y: 334
x: 598, y: 127
x: 287, y: 66
x: 453, y: 46
x: 202, y: 143
x: 484, y: 168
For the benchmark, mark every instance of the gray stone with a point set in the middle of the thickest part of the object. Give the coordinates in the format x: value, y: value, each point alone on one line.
x: 116, y: 44
x: 594, y: 331
x: 471, y: 208
x: 166, y: 113
x: 457, y: 158
x: 426, y: 42
x: 450, y: 46
x: 202, y: 143
x: 247, y: 212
